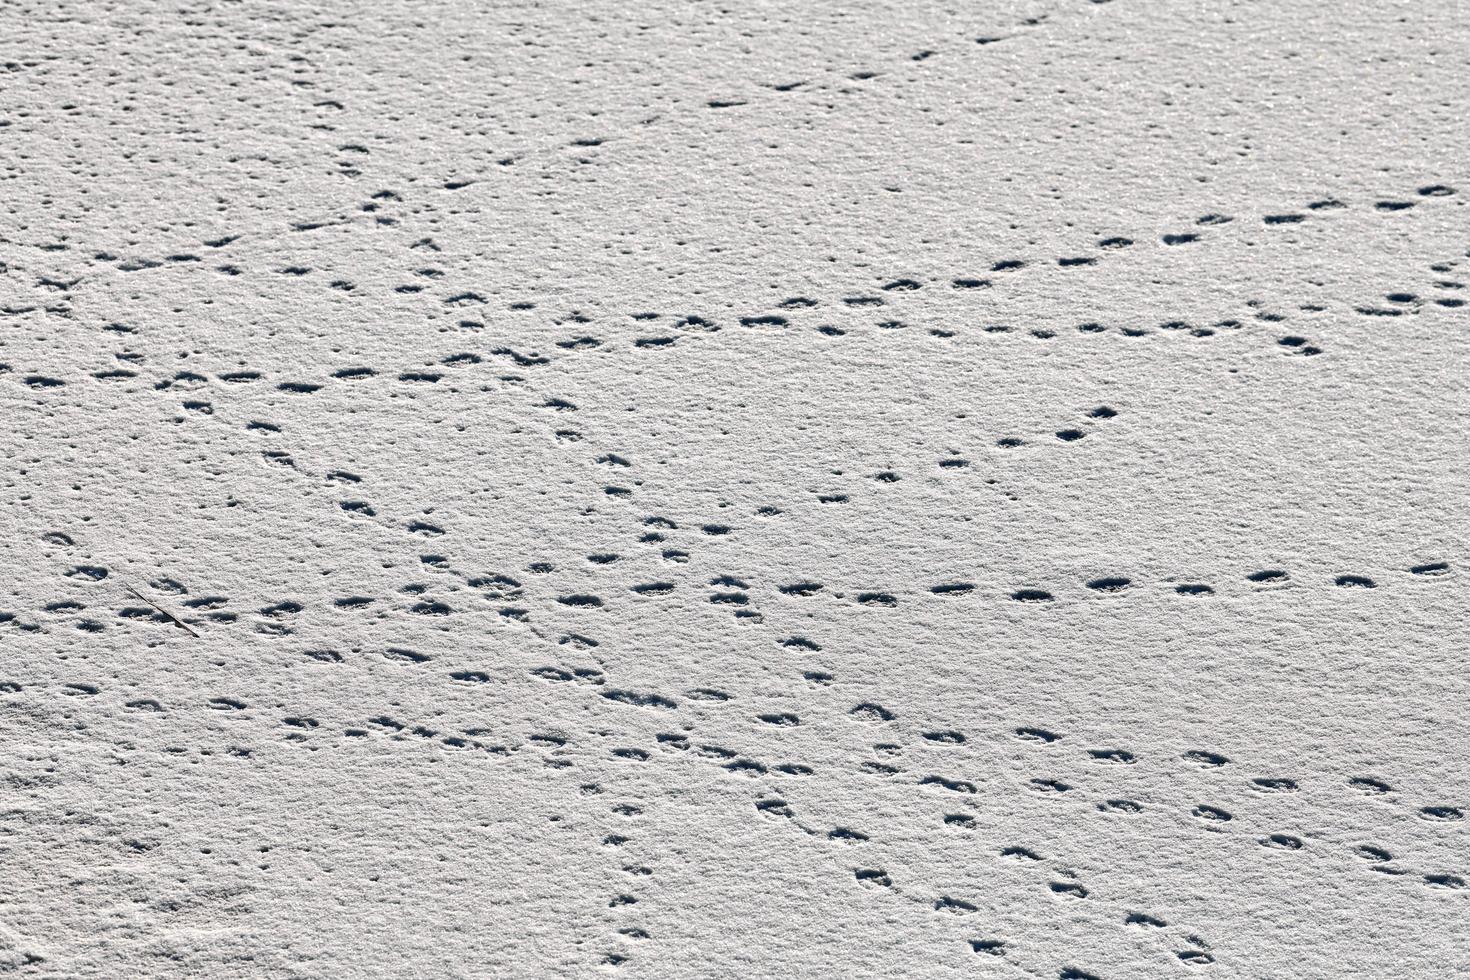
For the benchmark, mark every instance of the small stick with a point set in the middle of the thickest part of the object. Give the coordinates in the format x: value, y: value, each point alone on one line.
x: 172, y: 618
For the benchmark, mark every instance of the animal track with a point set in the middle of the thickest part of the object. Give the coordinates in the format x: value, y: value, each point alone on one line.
x: 970, y: 562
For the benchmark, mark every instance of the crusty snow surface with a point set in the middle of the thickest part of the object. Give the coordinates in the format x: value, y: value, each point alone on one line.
x: 735, y: 490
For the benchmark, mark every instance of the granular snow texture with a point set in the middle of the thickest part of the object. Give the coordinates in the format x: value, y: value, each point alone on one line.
x: 757, y: 490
